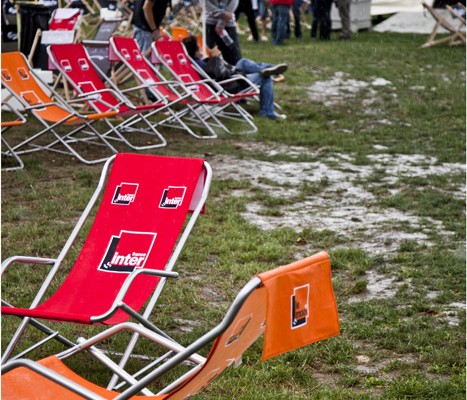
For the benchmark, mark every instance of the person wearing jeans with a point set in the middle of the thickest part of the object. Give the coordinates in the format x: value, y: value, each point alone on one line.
x: 280, y: 20
x: 257, y: 72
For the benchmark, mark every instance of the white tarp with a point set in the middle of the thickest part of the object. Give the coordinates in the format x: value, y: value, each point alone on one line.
x: 381, y: 7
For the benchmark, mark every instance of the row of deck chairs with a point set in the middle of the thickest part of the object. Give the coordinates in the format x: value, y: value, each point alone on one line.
x: 138, y: 232
x: 190, y: 101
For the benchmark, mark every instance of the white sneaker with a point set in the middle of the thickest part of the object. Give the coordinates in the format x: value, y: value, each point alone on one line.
x: 264, y: 38
x: 249, y: 38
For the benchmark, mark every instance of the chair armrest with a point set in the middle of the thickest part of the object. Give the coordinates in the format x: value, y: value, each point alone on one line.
x: 28, y: 260
x: 126, y: 286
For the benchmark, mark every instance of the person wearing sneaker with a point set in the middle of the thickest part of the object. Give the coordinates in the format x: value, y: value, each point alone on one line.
x: 246, y: 7
x: 257, y: 72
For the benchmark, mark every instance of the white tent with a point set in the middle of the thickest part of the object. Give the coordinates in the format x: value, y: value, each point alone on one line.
x: 381, y: 7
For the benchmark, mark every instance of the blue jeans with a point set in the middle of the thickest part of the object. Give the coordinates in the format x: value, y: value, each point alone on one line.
x: 280, y: 21
x: 143, y: 38
x: 253, y: 70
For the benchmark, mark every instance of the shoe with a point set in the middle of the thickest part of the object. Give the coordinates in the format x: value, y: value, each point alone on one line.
x: 249, y: 38
x: 274, y: 70
x: 264, y: 38
x: 275, y: 116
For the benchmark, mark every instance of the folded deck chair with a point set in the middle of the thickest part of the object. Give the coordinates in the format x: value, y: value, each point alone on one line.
x: 454, y: 37
x: 73, y: 62
x: 148, y: 207
x: 127, y: 51
x: 71, y: 132
x: 195, y: 81
x: 293, y: 305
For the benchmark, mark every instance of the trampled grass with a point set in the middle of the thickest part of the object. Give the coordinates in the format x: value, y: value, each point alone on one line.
x: 369, y: 166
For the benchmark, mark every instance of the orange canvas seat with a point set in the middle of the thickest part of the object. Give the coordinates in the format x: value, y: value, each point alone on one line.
x: 281, y: 290
x: 52, y: 111
x: 148, y: 208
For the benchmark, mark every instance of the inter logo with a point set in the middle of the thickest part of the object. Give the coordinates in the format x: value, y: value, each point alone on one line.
x: 300, y: 300
x: 125, y: 193
x: 127, y: 251
x: 172, y: 197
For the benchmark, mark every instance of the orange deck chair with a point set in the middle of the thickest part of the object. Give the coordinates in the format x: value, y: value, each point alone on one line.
x: 146, y: 213
x: 71, y: 131
x: 294, y: 305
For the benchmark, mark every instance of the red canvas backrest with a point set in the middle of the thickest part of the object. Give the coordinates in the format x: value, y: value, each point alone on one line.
x: 17, y: 76
x: 64, y: 19
x: 74, y: 62
x: 128, y: 49
x: 139, y: 220
x: 174, y: 55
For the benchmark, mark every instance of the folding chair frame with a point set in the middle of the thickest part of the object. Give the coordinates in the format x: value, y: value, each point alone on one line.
x: 72, y: 118
x: 6, y: 125
x: 455, y: 36
x: 219, y: 98
x: 176, y: 118
x: 251, y: 313
x: 126, y: 125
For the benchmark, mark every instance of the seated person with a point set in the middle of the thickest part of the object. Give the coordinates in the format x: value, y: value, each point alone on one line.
x: 258, y: 73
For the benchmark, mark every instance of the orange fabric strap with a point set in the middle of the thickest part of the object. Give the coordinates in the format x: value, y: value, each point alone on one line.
x: 301, y: 307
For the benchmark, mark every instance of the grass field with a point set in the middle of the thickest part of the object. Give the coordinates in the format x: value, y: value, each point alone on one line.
x: 369, y: 166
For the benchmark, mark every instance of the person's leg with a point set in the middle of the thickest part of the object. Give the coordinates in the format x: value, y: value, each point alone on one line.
x: 275, y: 18
x: 325, y: 28
x: 250, y: 14
x: 281, y: 24
x: 316, y: 17
x: 344, y: 14
x: 266, y: 94
x: 248, y: 66
x: 296, y: 9
x: 143, y: 38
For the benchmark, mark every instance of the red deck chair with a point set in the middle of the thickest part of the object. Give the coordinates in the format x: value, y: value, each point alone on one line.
x: 204, y: 89
x: 139, y: 230
x: 64, y: 19
x: 73, y: 62
x: 126, y: 50
x: 70, y: 130
x: 301, y: 293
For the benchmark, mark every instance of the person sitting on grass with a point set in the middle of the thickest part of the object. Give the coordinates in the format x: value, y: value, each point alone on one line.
x: 257, y: 72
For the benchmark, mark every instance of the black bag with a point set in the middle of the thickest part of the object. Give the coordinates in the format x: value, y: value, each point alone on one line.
x: 219, y: 70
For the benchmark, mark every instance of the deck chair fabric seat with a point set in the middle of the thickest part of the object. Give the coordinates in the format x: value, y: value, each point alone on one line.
x: 75, y: 65
x: 455, y: 35
x: 52, y: 111
x: 244, y: 322
x: 139, y: 227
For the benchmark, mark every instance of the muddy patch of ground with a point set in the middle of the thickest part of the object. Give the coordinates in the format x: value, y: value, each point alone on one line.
x: 343, y: 203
